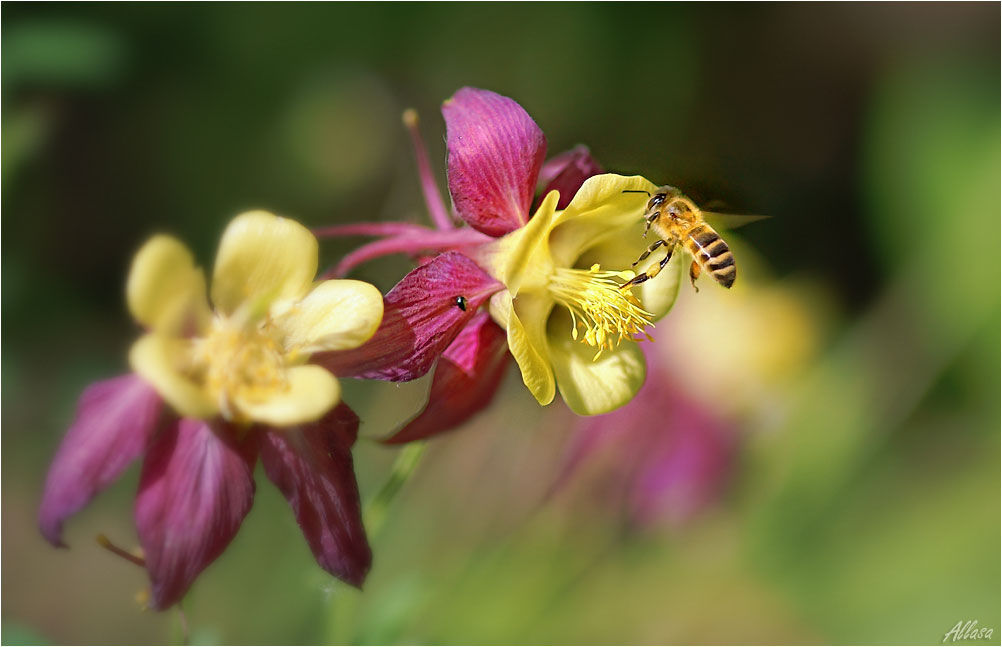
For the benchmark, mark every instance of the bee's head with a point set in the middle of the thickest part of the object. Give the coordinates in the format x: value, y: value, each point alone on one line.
x: 666, y: 199
x: 656, y: 201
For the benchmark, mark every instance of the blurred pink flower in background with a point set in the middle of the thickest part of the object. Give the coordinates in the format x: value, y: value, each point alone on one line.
x: 659, y: 459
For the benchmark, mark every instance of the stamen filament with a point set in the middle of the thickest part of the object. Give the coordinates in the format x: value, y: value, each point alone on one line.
x: 106, y: 543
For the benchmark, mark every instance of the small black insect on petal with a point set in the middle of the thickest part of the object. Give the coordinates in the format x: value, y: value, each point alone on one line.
x: 461, y: 303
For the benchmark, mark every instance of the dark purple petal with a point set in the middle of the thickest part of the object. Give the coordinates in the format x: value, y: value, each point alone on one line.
x: 567, y: 172
x: 466, y: 379
x: 114, y: 421
x: 196, y: 488
x: 420, y: 319
x: 312, y: 466
x: 495, y: 151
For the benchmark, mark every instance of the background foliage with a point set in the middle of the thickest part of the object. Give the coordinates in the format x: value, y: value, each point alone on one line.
x: 865, y: 504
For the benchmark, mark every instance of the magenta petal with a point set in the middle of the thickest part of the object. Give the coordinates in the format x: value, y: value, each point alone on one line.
x: 466, y: 379
x: 312, y: 467
x: 196, y: 488
x: 420, y: 319
x: 115, y: 420
x: 495, y: 151
x: 567, y: 172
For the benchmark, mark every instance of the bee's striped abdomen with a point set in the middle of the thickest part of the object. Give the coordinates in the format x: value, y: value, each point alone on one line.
x: 712, y: 253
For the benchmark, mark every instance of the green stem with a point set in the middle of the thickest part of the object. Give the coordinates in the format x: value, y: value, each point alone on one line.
x: 345, y: 600
x: 376, y: 510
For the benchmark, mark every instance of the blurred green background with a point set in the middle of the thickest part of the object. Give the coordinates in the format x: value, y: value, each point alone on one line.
x: 860, y: 352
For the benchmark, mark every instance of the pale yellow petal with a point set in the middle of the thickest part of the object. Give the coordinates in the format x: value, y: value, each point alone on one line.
x: 659, y: 294
x: 528, y: 261
x: 599, y: 209
x: 158, y: 360
x: 593, y: 387
x: 527, y: 343
x: 312, y: 392
x: 165, y: 291
x: 500, y: 308
x: 335, y: 315
x: 263, y: 258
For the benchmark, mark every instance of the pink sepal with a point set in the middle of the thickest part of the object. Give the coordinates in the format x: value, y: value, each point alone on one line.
x: 466, y: 379
x: 196, y: 488
x: 421, y: 317
x: 114, y: 421
x: 312, y: 466
x: 495, y: 151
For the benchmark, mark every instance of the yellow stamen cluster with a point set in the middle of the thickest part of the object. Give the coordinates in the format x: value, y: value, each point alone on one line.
x: 240, y: 360
x: 602, y: 314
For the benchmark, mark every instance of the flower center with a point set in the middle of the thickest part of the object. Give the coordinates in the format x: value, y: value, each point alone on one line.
x: 241, y: 362
x: 602, y: 314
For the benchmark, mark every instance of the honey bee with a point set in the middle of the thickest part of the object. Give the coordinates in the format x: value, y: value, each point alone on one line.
x: 676, y: 220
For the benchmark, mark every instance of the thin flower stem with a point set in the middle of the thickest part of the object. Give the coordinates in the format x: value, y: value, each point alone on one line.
x: 345, y: 600
x: 403, y: 468
x: 436, y: 205
x: 574, y: 581
x: 185, y: 629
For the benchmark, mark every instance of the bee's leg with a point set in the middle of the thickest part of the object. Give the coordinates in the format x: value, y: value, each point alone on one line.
x: 651, y: 272
x: 650, y: 221
x: 650, y: 249
x: 694, y: 274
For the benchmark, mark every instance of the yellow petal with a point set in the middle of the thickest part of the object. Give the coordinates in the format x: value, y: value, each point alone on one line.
x: 165, y: 291
x: 158, y: 359
x: 528, y: 258
x: 593, y: 387
x: 312, y: 392
x: 527, y: 342
x: 335, y: 315
x: 599, y: 209
x: 263, y: 258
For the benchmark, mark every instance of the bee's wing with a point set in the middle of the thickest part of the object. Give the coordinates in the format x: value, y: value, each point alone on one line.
x: 720, y: 220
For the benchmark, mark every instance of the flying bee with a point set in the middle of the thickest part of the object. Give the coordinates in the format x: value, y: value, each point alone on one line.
x: 676, y: 220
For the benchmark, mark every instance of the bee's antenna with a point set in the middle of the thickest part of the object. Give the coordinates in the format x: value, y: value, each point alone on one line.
x: 635, y: 191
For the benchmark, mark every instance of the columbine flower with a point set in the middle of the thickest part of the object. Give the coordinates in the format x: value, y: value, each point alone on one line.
x: 237, y: 376
x: 550, y: 276
x: 662, y: 458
